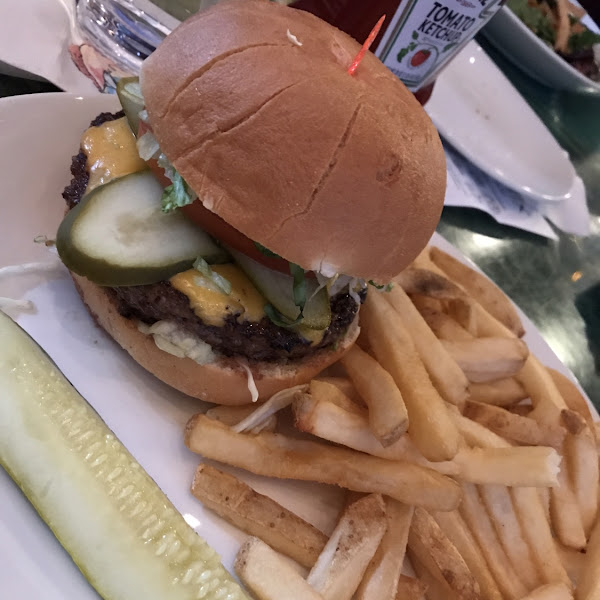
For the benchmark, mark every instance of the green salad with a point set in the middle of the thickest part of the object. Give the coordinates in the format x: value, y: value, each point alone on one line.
x: 558, y: 24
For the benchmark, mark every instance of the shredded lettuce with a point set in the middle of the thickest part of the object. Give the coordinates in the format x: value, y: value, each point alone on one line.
x: 386, y: 287
x: 44, y: 239
x: 176, y: 195
x: 220, y: 282
x: 251, y: 383
x: 171, y: 338
x: 299, y: 291
x: 179, y: 193
x: 33, y: 267
x: 354, y: 287
x: 147, y: 146
x: 11, y: 304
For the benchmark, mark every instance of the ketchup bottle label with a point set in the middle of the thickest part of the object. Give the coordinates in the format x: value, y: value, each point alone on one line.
x: 424, y: 34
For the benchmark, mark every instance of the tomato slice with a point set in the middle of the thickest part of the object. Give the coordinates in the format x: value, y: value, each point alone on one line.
x: 214, y: 225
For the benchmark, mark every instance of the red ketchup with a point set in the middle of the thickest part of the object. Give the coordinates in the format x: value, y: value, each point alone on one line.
x: 418, y: 37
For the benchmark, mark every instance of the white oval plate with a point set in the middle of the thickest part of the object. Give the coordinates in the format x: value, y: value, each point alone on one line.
x: 521, y: 46
x: 477, y: 109
x: 38, y: 135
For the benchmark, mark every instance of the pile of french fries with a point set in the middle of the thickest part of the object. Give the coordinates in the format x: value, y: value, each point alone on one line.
x: 460, y: 452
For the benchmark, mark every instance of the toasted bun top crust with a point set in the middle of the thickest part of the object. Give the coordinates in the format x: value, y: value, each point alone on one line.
x: 336, y: 173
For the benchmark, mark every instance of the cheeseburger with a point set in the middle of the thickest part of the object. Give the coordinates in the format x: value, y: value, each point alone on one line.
x: 226, y: 226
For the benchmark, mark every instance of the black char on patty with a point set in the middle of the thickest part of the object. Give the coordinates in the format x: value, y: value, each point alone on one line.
x: 260, y: 341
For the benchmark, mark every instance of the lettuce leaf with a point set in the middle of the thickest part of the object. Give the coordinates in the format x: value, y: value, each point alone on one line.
x: 176, y: 195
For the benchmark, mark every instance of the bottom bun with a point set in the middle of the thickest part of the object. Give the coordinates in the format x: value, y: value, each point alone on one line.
x: 222, y: 382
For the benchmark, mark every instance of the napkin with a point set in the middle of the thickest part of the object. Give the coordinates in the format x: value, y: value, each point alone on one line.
x: 470, y: 187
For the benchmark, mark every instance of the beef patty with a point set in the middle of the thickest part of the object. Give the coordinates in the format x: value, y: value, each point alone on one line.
x: 260, y: 341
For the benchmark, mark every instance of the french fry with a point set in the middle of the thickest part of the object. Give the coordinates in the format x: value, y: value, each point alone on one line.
x: 425, y: 282
x: 498, y: 503
x: 444, y: 372
x: 431, y: 428
x: 425, y: 303
x: 410, y: 588
x: 382, y: 575
x: 589, y: 582
x: 333, y: 423
x: 345, y: 386
x: 551, y: 591
x: 423, y: 261
x: 572, y: 561
x: 487, y: 359
x: 572, y: 396
x: 509, y: 466
x: 232, y: 415
x: 582, y: 463
x: 467, y: 311
x: 388, y: 418
x: 545, y: 397
x: 353, y: 543
x: 442, y: 324
x: 528, y: 505
x: 480, y: 288
x: 522, y: 430
x: 258, y: 515
x: 564, y: 512
x: 563, y: 30
x: 463, y: 311
x: 436, y: 589
x: 475, y: 516
x: 516, y: 466
x: 537, y: 533
x: 544, y: 494
x: 572, y: 421
x: 502, y: 392
x: 269, y: 576
x: 439, y: 556
x: 456, y: 530
x: 329, y: 392
x: 522, y: 410
x: 477, y: 435
x: 275, y: 455
x: 486, y: 325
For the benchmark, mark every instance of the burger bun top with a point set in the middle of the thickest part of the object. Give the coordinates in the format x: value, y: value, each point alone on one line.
x: 338, y: 173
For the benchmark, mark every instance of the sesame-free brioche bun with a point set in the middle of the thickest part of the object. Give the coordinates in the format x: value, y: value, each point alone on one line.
x: 221, y: 382
x: 334, y: 172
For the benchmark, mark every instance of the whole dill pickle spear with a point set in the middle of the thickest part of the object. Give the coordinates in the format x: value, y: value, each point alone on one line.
x: 120, y: 529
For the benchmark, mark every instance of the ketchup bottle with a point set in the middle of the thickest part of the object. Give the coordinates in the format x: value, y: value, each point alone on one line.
x: 418, y: 37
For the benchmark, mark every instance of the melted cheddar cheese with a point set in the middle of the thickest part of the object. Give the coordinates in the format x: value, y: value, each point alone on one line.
x: 111, y: 152
x: 213, y: 306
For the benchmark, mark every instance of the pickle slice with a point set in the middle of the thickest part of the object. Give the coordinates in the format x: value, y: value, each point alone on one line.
x: 120, y: 529
x: 278, y: 288
x: 118, y: 235
x: 131, y: 99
